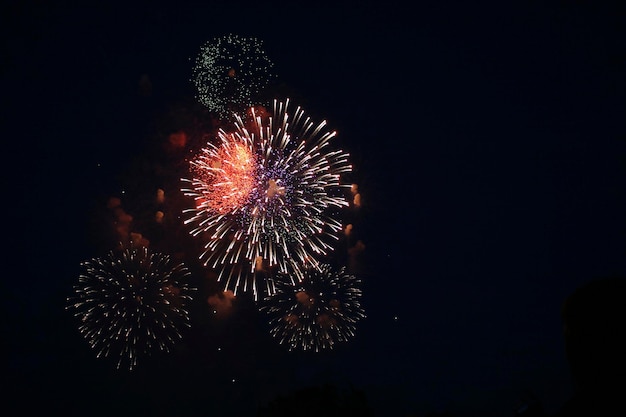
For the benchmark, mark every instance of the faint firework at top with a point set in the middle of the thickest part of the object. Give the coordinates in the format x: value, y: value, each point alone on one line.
x: 230, y: 74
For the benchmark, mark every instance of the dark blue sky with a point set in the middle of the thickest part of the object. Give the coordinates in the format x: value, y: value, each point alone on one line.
x: 489, y: 145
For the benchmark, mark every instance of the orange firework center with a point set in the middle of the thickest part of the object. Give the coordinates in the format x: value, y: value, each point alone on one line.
x: 231, y: 179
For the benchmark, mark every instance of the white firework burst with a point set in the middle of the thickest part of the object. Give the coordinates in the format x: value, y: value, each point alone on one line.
x: 131, y: 303
x: 317, y: 312
x: 281, y: 207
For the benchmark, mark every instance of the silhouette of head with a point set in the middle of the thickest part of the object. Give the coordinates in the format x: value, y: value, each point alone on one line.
x: 594, y: 319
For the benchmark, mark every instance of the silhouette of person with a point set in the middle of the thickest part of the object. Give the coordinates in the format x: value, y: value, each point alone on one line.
x: 594, y: 325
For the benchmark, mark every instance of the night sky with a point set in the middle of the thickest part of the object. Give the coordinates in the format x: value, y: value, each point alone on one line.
x: 489, y: 147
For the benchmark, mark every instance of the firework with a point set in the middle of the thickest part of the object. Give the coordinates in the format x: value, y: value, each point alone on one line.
x: 226, y: 174
x: 270, y: 190
x: 230, y: 72
x: 317, y: 312
x: 131, y: 303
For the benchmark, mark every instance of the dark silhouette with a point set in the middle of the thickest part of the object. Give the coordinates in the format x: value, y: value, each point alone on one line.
x: 594, y: 319
x: 529, y: 406
x: 323, y: 400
